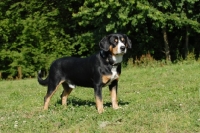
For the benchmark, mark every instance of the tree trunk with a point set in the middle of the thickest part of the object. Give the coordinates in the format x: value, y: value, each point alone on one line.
x: 19, y: 69
x: 186, y: 43
x: 167, y: 51
x: 197, y: 46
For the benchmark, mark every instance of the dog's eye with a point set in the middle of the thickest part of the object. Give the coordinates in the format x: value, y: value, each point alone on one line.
x: 116, y: 40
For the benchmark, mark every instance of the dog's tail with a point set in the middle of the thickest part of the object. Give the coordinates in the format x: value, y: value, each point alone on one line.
x: 41, y: 81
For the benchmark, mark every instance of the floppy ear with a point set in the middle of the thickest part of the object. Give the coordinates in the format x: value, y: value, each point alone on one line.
x: 128, y: 41
x: 104, y: 44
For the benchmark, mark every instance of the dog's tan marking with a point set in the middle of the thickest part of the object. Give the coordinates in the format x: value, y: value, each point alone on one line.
x: 116, y: 40
x: 46, y: 103
x: 48, y: 97
x: 65, y: 95
x: 106, y: 78
x: 99, y: 105
x: 113, y: 50
x: 122, y: 39
x: 113, y: 95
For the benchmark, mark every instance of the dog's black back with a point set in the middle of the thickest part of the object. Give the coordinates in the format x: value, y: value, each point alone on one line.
x: 80, y: 71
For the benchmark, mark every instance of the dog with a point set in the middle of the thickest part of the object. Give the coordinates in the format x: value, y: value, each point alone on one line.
x: 97, y: 71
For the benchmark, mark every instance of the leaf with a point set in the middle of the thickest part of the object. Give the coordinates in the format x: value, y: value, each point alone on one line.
x: 110, y: 27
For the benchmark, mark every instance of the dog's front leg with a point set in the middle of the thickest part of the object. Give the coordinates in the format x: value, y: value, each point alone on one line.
x: 113, y: 93
x: 98, y: 99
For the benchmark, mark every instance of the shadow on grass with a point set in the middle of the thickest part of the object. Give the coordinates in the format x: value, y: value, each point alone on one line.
x: 74, y: 101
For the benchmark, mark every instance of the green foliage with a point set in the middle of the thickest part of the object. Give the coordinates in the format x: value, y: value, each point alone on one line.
x: 34, y: 33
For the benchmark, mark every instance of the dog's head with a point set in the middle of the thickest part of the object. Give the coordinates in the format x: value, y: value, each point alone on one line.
x: 117, y: 44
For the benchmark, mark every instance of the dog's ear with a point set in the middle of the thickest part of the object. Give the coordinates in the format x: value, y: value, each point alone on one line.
x: 104, y: 44
x: 128, y: 41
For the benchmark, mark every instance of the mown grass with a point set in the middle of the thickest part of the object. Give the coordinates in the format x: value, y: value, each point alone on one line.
x: 153, y: 99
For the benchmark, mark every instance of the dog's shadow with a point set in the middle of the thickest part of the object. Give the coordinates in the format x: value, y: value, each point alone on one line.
x: 74, y: 101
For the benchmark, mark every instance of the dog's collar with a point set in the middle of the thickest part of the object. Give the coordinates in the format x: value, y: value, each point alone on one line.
x: 109, y: 60
x: 102, y: 53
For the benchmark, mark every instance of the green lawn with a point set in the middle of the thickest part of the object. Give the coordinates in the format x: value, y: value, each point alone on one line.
x: 153, y: 99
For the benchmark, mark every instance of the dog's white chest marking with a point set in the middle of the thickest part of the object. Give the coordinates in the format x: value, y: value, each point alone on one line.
x: 117, y: 58
x: 114, y: 75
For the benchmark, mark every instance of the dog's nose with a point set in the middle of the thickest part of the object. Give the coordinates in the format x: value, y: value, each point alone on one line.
x: 122, y: 48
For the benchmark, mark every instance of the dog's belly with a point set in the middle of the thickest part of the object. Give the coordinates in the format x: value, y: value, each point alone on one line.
x: 83, y: 82
x: 88, y: 81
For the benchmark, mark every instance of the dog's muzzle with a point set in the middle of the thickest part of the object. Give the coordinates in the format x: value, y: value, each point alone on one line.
x: 122, y: 48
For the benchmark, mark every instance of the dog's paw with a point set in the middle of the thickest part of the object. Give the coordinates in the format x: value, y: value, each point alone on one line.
x: 101, y: 110
x: 116, y: 107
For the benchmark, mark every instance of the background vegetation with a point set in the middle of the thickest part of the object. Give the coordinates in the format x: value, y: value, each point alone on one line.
x: 34, y: 33
x: 161, y: 99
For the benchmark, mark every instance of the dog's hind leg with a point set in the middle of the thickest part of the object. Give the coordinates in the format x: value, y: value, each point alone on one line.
x: 67, y: 90
x: 50, y: 91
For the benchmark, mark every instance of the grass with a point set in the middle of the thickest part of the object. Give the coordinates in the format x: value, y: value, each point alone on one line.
x: 153, y: 99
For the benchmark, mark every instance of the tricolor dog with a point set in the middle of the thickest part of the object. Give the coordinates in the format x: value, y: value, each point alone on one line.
x: 97, y: 71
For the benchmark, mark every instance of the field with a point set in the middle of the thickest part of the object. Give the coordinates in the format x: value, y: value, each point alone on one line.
x: 152, y: 99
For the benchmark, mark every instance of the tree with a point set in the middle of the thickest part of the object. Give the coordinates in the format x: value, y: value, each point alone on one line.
x: 34, y: 33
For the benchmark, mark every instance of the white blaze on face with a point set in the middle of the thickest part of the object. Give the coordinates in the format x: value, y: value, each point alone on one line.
x: 120, y: 44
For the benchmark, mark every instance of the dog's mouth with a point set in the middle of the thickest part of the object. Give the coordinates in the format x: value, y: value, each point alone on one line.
x: 121, y: 53
x: 122, y: 50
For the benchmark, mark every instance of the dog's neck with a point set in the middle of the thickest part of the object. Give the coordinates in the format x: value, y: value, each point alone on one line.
x: 113, y: 60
